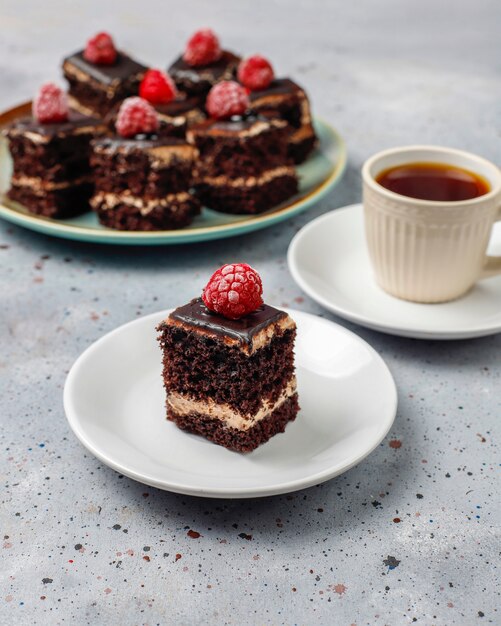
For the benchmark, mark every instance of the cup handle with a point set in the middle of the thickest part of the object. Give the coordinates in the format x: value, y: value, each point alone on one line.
x: 492, y: 264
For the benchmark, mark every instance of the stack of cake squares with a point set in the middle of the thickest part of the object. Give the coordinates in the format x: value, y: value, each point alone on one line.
x: 155, y: 176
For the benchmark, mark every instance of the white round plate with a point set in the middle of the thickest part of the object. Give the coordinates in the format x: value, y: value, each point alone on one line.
x: 114, y: 401
x: 328, y: 259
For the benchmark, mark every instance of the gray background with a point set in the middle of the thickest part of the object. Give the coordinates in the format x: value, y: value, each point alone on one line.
x: 81, y: 544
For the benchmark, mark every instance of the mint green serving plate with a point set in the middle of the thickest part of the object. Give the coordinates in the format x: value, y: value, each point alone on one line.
x: 317, y: 176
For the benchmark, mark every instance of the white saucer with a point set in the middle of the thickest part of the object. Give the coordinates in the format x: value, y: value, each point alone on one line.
x: 114, y: 401
x: 328, y: 259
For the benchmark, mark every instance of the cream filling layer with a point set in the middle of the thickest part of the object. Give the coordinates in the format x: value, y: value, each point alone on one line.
x: 250, y: 181
x: 38, y: 184
x: 305, y: 112
x: 161, y: 155
x: 305, y: 132
x: 108, y: 201
x: 78, y: 106
x: 256, y: 129
x: 164, y: 155
x: 192, y: 116
x: 274, y: 100
x: 186, y: 405
x: 175, y: 120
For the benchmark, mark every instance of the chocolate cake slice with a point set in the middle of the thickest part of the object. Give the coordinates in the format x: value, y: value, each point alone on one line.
x: 198, y: 80
x: 286, y: 100
x: 96, y: 88
x: 229, y: 380
x: 243, y: 166
x: 143, y: 182
x: 51, y: 170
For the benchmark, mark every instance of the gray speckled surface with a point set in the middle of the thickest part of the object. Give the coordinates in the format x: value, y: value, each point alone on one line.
x: 410, y: 535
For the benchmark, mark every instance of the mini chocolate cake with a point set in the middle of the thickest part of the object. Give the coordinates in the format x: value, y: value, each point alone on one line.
x: 51, y: 170
x: 96, y: 89
x: 197, y: 81
x: 142, y: 183
x: 243, y: 165
x: 287, y: 100
x: 175, y: 117
x: 231, y: 381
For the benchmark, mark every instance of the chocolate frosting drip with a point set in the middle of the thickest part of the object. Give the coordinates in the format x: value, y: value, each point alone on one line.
x: 280, y: 86
x: 123, y: 68
x: 196, y: 314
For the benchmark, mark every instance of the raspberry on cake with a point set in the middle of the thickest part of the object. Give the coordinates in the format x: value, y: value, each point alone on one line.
x: 176, y: 112
x: 100, y: 76
x: 50, y: 152
x: 157, y: 87
x: 229, y: 375
x: 227, y: 99
x: 255, y: 73
x: 142, y: 180
x: 234, y: 291
x: 50, y: 105
x: 203, y: 64
x: 243, y: 165
x: 202, y: 48
x: 285, y: 99
x: 100, y: 50
x: 136, y: 117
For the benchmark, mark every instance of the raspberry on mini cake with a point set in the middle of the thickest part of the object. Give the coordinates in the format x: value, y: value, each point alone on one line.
x: 50, y: 152
x: 243, y: 165
x: 100, y: 76
x: 142, y: 179
x: 228, y: 363
x: 176, y: 111
x: 281, y: 98
x: 203, y: 64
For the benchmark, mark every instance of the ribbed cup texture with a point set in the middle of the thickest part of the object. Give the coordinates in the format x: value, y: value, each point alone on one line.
x: 426, y: 253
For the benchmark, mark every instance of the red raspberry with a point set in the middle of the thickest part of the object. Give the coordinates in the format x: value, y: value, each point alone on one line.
x: 100, y: 50
x: 157, y: 87
x: 50, y: 104
x: 135, y: 117
x: 255, y: 73
x: 202, y: 48
x: 227, y: 98
x: 234, y: 291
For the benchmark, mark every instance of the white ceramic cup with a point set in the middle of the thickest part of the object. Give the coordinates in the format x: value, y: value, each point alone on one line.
x: 424, y: 250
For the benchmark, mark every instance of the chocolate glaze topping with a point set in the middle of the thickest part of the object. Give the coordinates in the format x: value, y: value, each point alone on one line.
x: 279, y: 86
x: 178, y: 106
x: 182, y: 71
x: 139, y: 142
x: 123, y: 68
x: 75, y: 120
x: 196, y: 314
